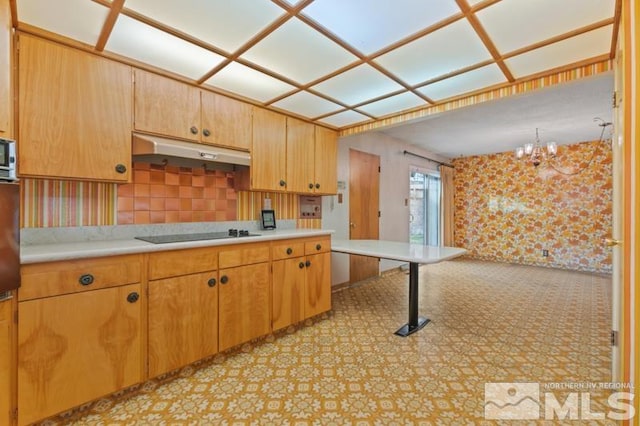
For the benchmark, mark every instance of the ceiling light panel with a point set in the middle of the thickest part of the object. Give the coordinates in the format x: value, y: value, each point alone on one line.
x: 248, y: 82
x: 307, y: 104
x: 370, y: 25
x: 222, y: 23
x: 393, y: 104
x: 575, y: 49
x: 345, y: 118
x: 513, y: 24
x: 451, y: 48
x: 77, y: 19
x: 357, y: 85
x: 299, y: 52
x: 464, y: 83
x: 154, y: 47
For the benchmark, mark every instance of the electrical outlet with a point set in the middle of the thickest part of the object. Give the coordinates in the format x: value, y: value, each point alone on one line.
x: 545, y: 253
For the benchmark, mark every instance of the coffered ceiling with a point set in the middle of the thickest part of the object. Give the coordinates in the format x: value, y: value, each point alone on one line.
x: 339, y: 62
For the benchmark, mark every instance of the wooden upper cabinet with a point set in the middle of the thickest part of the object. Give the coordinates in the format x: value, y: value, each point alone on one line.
x: 5, y: 70
x: 166, y: 107
x: 300, y: 156
x: 75, y: 113
x: 268, y: 151
x: 225, y: 121
x: 326, y: 161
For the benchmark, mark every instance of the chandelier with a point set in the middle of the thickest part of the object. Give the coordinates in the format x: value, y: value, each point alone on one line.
x: 535, y: 152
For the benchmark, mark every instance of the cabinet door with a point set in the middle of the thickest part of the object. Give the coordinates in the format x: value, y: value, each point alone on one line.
x: 5, y: 70
x: 227, y: 122
x: 300, y: 156
x: 244, y: 304
x: 326, y: 161
x: 75, y: 113
x: 268, y: 151
x: 183, y: 321
x: 166, y: 107
x: 6, y: 355
x: 76, y: 348
x: 318, y: 285
x: 287, y: 292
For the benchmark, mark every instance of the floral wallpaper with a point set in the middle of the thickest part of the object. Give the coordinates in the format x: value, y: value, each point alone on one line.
x: 508, y: 210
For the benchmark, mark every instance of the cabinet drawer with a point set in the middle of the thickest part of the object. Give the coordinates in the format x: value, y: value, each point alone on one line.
x: 288, y: 249
x: 54, y: 278
x: 317, y: 245
x: 243, y: 254
x: 182, y: 262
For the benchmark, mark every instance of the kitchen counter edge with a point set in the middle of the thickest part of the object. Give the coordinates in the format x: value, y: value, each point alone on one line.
x: 41, y: 253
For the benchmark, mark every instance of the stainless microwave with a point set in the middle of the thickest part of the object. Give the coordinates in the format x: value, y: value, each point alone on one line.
x: 7, y: 160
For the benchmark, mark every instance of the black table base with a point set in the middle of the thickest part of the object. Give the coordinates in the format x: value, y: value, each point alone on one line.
x: 415, y: 322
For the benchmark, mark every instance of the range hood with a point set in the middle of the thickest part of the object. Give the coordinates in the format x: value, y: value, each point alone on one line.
x: 156, y: 149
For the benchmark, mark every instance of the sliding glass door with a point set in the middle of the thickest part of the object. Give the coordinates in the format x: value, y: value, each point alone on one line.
x: 424, y: 218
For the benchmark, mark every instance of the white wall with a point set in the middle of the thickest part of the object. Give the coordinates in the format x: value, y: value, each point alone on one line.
x: 394, y: 191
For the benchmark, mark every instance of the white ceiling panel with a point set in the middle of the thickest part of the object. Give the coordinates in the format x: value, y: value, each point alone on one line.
x: 513, y: 24
x: 248, y: 82
x: 307, y: 104
x: 84, y: 23
x: 357, y: 85
x: 222, y: 23
x: 345, y: 118
x: 299, y: 52
x: 149, y: 45
x: 370, y: 25
x: 393, y: 104
x: 588, y: 45
x: 463, y: 83
x: 448, y: 49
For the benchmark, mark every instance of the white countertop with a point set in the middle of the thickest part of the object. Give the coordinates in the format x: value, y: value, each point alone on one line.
x: 395, y: 250
x: 76, y: 250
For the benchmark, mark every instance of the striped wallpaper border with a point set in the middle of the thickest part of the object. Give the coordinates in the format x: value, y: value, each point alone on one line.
x: 57, y: 203
x: 501, y: 92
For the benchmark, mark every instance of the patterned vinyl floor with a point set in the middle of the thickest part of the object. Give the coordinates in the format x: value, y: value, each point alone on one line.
x: 490, y: 322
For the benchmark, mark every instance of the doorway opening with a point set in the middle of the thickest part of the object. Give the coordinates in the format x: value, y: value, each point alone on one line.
x: 424, y: 207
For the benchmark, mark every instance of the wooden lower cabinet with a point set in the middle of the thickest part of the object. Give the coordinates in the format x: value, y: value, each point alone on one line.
x: 301, y: 286
x: 6, y: 358
x: 317, y: 297
x: 243, y: 304
x: 288, y: 292
x: 183, y: 321
x: 77, y: 347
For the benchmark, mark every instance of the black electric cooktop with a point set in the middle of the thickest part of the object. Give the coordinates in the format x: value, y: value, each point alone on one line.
x: 180, y: 238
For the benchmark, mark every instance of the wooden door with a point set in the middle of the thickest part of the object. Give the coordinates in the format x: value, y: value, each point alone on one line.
x: 318, y: 284
x: 300, y: 156
x: 76, y: 348
x: 364, y: 190
x: 268, y: 151
x: 243, y: 304
x: 75, y: 113
x: 326, y: 161
x: 227, y: 122
x: 288, y: 292
x: 166, y: 107
x: 183, y: 321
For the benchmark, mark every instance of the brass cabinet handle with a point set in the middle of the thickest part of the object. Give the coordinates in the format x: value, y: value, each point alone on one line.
x: 610, y: 242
